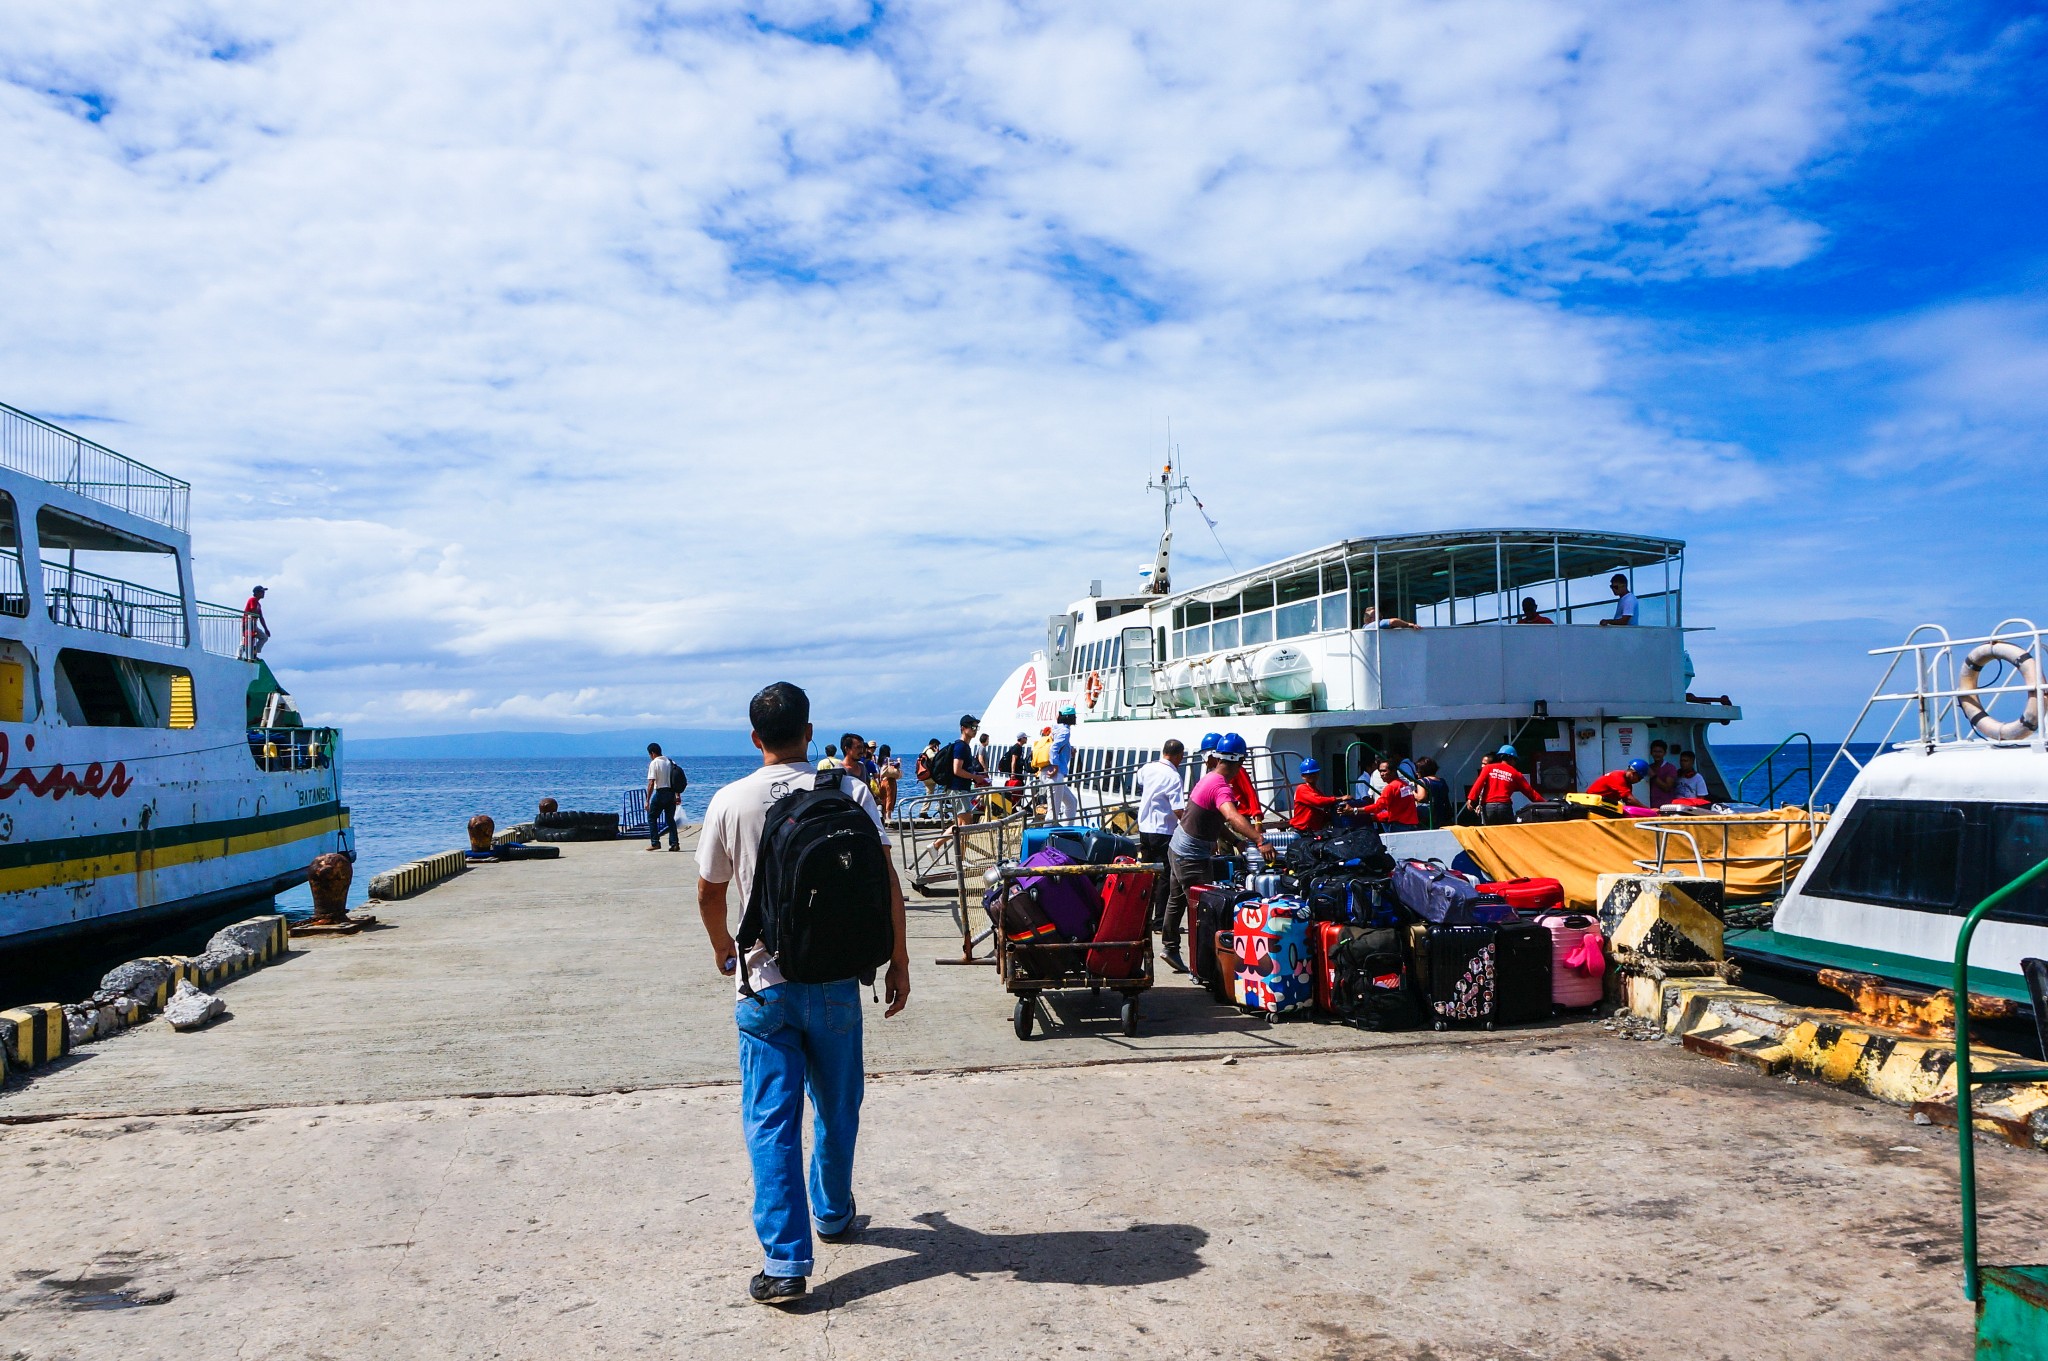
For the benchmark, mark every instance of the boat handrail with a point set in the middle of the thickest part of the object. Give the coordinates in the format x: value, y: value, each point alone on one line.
x: 29, y: 444
x: 1771, y: 793
x: 1787, y: 861
x: 80, y: 599
x: 1936, y: 694
x: 220, y: 629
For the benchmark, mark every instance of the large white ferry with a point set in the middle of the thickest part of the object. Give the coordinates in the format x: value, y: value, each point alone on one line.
x: 1399, y: 646
x: 148, y: 769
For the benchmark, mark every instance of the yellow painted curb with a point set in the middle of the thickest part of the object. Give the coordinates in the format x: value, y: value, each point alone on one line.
x: 38, y: 1034
x: 418, y: 877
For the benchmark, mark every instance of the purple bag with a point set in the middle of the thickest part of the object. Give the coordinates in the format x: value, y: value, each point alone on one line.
x: 1071, y: 900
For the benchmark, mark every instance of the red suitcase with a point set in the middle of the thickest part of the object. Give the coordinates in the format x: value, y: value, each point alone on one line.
x: 1528, y: 896
x: 1126, y: 915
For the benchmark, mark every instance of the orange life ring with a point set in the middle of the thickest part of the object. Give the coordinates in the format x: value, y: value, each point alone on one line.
x: 1094, y: 688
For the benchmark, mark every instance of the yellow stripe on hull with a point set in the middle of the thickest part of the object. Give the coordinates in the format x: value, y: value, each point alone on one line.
x: 27, y: 877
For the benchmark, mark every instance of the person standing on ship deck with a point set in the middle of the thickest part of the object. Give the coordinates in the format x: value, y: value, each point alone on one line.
x: 1624, y: 601
x: 664, y: 794
x: 255, y: 628
x: 1493, y: 790
x: 1663, y: 775
x: 1162, y: 793
x: 1691, y: 784
x: 794, y: 1038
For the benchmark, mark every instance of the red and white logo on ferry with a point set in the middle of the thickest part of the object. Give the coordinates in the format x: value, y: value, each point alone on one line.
x: 1027, y: 692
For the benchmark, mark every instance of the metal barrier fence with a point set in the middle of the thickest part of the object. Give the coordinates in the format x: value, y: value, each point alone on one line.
x: 57, y: 456
x: 13, y: 585
x: 282, y: 749
x: 1682, y: 830
x: 220, y: 629
x: 87, y: 600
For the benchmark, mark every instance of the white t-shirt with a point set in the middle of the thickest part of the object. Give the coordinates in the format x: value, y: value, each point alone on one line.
x: 731, y: 839
x: 1693, y: 786
x: 657, y: 771
x: 1160, y: 793
x: 1625, y: 608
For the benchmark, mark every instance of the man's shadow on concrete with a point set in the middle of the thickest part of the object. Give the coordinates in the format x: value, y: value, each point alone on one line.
x: 1143, y: 1254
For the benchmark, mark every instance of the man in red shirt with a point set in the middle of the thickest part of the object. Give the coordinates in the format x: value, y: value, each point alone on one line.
x: 1394, y: 809
x: 1618, y: 786
x: 1493, y: 792
x: 255, y: 629
x: 1313, y: 809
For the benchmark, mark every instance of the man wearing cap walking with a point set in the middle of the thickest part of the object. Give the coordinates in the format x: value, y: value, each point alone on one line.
x: 1493, y: 791
x: 958, y: 769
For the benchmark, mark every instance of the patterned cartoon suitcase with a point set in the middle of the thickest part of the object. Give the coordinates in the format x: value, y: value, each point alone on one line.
x: 1276, y: 974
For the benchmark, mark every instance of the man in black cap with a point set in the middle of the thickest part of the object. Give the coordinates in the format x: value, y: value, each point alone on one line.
x: 255, y: 630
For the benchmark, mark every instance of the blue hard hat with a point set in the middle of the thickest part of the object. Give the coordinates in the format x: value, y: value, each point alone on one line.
x: 1639, y: 767
x: 1230, y: 746
x: 1066, y: 711
x: 1507, y: 750
x: 1311, y: 767
x: 1209, y: 741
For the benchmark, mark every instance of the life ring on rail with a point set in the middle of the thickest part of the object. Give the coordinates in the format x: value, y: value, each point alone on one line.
x: 1094, y: 688
x: 2022, y: 661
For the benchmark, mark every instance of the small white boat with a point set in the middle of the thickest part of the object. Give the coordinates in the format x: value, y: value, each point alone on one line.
x: 148, y: 769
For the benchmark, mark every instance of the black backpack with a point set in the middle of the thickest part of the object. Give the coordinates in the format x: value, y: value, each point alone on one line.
x: 678, y: 781
x: 820, y: 901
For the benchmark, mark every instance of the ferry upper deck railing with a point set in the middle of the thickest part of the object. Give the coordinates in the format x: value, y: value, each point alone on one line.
x: 1940, y: 701
x: 87, y: 600
x: 220, y: 629
x: 42, y: 450
x: 13, y: 586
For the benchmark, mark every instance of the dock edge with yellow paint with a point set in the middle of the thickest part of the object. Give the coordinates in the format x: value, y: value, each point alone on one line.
x: 417, y: 877
x: 1736, y: 1025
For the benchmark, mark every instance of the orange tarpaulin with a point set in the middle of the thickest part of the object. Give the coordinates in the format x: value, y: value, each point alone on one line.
x: 1576, y: 854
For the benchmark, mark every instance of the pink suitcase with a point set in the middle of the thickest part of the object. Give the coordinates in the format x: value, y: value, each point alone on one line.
x: 1577, y: 966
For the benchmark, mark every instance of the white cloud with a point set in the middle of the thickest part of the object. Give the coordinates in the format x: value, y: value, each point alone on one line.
x: 577, y: 361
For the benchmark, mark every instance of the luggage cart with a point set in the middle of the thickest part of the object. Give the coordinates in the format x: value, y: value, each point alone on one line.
x: 1032, y: 968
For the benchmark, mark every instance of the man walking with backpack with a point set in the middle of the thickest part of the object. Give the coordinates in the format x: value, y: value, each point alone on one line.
x: 823, y: 908
x: 665, y: 785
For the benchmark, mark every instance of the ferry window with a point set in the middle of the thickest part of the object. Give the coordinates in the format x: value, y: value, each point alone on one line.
x: 1198, y: 641
x: 99, y: 578
x: 1226, y: 609
x: 1301, y: 586
x: 1333, y: 614
x: 1896, y: 852
x: 1291, y: 621
x: 13, y: 585
x: 1223, y: 634
x: 2019, y: 841
x: 1259, y: 597
x: 1197, y: 614
x: 1334, y: 579
x: 1258, y: 628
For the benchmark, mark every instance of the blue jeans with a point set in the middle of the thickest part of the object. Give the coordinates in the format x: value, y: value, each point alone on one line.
x: 800, y: 1037
x: 663, y: 805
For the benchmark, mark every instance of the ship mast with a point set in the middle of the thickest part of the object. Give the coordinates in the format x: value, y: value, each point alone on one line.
x: 1171, y: 489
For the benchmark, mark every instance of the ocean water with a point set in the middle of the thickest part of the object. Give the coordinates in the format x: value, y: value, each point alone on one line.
x: 402, y: 810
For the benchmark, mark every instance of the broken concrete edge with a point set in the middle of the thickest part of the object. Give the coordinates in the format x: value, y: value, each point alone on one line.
x: 42, y: 1032
x: 418, y: 876
x: 524, y: 831
x: 1732, y: 1024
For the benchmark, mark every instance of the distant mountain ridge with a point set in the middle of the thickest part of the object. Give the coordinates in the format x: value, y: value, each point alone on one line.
x: 498, y: 745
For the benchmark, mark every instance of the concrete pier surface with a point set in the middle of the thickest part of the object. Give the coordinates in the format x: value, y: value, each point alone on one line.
x: 507, y: 1127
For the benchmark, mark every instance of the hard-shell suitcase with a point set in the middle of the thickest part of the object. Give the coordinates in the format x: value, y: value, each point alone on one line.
x: 1362, y: 977
x: 1035, y: 838
x: 1276, y: 974
x: 1126, y: 915
x: 1071, y: 900
x: 1577, y: 974
x: 1213, y: 908
x: 1091, y: 846
x: 1456, y: 968
x: 1528, y: 897
x: 1272, y: 885
x: 1521, y: 973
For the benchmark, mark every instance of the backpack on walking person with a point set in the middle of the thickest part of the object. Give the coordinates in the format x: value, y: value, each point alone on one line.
x: 820, y: 901
x: 677, y: 781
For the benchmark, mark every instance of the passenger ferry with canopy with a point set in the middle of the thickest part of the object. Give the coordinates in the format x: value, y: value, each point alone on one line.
x: 1399, y: 646
x: 150, y: 768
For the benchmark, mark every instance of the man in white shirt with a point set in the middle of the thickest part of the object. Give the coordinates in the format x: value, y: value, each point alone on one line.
x: 1691, y: 784
x: 1162, y: 793
x: 1624, y: 602
x: 793, y: 1036
x: 662, y: 798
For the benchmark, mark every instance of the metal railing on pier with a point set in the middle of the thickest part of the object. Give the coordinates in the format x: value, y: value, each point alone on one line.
x: 55, y: 455
x: 87, y: 600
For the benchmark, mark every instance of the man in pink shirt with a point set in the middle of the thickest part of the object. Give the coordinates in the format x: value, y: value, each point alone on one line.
x: 1211, y: 815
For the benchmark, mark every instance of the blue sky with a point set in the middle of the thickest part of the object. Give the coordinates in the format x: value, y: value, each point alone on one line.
x: 581, y: 366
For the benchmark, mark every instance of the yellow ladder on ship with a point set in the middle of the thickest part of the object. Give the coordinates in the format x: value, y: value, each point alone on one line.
x: 182, y: 713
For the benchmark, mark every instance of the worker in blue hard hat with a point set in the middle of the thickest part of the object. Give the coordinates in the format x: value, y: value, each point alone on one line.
x: 1313, y: 809
x: 1209, y: 741
x: 1618, y: 786
x: 1233, y: 746
x: 1493, y: 791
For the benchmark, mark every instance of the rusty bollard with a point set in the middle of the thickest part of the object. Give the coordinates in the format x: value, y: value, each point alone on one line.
x: 329, y: 878
x: 481, y: 830
x: 548, y: 806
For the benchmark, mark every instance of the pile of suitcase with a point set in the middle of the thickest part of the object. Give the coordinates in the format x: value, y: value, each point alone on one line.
x: 1343, y: 931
